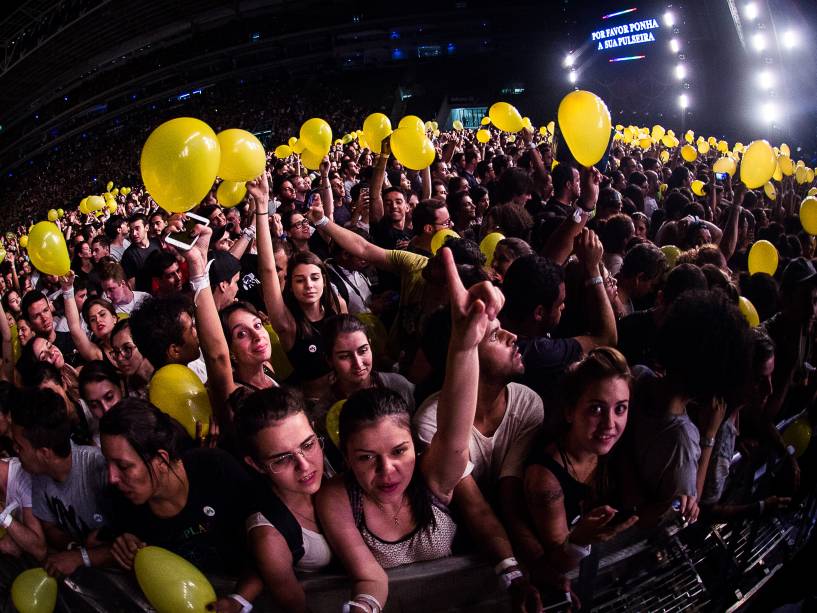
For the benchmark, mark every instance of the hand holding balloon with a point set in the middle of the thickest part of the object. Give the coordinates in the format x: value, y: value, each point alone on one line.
x: 124, y: 549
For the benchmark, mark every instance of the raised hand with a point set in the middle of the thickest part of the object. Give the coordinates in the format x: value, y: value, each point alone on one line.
x: 258, y: 188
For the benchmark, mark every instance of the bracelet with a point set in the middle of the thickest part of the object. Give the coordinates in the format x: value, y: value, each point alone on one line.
x: 597, y: 280
x: 510, y: 577
x: 374, y: 603
x: 321, y: 222
x: 347, y: 607
x: 708, y: 441
x: 262, y: 213
x: 246, y: 605
x: 505, y: 564
x: 86, y: 559
x: 68, y: 293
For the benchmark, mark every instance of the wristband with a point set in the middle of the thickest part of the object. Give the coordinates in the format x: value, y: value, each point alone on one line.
x: 347, y: 607
x: 505, y: 564
x: 374, y: 603
x: 200, y: 282
x: 68, y: 293
x: 510, y: 577
x: 86, y: 559
x: 261, y: 213
x: 708, y: 441
x: 597, y: 280
x: 248, y: 233
x: 246, y: 605
x: 321, y: 222
x: 6, y: 522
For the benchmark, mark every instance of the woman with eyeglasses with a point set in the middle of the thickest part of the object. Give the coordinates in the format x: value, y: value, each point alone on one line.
x: 191, y: 501
x: 130, y: 361
x: 282, y: 447
x: 297, y: 228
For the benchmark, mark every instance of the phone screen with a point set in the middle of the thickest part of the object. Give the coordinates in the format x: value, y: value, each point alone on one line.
x: 185, y: 237
x: 721, y: 176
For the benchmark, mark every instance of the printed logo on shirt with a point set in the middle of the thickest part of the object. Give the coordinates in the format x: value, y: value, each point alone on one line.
x: 209, y: 511
x: 98, y: 518
x: 312, y: 349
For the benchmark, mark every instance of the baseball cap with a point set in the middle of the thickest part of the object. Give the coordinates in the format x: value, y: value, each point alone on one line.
x: 222, y: 267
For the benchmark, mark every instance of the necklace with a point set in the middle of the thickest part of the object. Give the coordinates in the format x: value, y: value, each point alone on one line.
x: 302, y: 516
x: 396, y: 516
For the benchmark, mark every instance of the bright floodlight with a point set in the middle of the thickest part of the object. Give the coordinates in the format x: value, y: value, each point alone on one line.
x: 765, y: 79
x: 683, y: 101
x: 573, y: 76
x: 759, y: 42
x: 680, y: 72
x: 790, y: 39
x: 768, y: 112
x: 569, y: 59
x: 674, y: 45
x: 669, y: 19
x: 750, y: 10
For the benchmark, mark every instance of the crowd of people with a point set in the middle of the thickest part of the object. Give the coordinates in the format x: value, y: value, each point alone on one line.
x: 379, y: 398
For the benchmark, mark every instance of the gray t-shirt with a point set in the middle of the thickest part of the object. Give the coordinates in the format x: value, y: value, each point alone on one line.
x: 77, y: 505
x: 720, y: 462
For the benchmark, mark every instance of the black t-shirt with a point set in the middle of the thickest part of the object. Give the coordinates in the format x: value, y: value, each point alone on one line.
x: 65, y: 344
x: 636, y: 338
x: 385, y: 235
x: 554, y: 208
x: 209, y: 531
x: 133, y: 262
x: 249, y: 284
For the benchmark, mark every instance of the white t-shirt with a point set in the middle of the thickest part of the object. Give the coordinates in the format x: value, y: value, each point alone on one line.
x: 130, y: 307
x: 504, y: 453
x: 650, y: 206
x: 18, y: 487
x: 117, y: 251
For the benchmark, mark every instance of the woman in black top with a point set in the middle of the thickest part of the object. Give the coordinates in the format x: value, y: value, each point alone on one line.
x: 567, y: 479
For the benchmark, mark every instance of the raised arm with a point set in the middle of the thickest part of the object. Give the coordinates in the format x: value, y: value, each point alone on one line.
x: 327, y: 199
x: 560, y: 244
x: 241, y: 245
x: 88, y: 350
x: 348, y: 241
x: 425, y: 175
x: 602, y: 319
x: 376, y: 210
x: 444, y: 462
x: 729, y: 240
x: 280, y: 316
x: 7, y: 371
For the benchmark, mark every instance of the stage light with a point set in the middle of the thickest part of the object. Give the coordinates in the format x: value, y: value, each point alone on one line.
x: 683, y: 101
x: 680, y: 72
x: 765, y: 79
x: 759, y: 42
x: 569, y: 59
x: 768, y: 112
x: 674, y: 45
x: 669, y: 19
x: 750, y: 10
x: 790, y: 39
x: 573, y: 76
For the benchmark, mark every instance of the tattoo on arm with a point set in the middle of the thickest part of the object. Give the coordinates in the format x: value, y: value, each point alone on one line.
x: 546, y: 498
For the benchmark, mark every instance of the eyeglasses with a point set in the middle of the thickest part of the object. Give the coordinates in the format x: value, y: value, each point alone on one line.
x: 287, y: 460
x: 300, y: 224
x: 126, y: 351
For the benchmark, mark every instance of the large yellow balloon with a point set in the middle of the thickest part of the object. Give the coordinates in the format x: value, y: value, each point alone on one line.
x: 726, y: 165
x: 311, y: 160
x: 483, y: 136
x: 171, y: 583
x: 505, y: 117
x: 242, y: 155
x: 808, y: 215
x: 412, y: 148
x: 411, y: 122
x: 178, y: 391
x: 488, y: 246
x: 689, y: 153
x: 439, y: 238
x: 798, y: 435
x: 763, y: 258
x: 282, y: 151
x: 376, y: 127
x: 230, y: 193
x: 179, y: 163
x: 770, y: 191
x: 749, y: 312
x: 33, y: 591
x: 47, y: 249
x: 758, y: 164
x: 316, y: 135
x: 698, y: 187
x: 585, y: 123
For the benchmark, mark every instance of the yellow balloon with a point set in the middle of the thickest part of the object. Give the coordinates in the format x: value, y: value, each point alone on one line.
x: 763, y: 258
x: 435, y: 126
x: 53, y: 215
x: 439, y: 238
x: 809, y: 175
x: 412, y: 148
x: 242, y: 155
x: 672, y: 253
x: 412, y: 122
x: 179, y: 163
x: 177, y: 390
x: 739, y: 147
x: 808, y: 215
x: 95, y: 203
x: 299, y: 147
x: 282, y: 151
x: 551, y: 127
x: 512, y: 138
x: 585, y: 123
x: 689, y: 136
x: 526, y: 123
x: 488, y: 246
x: 645, y: 143
x: 712, y: 141
x: 800, y: 163
x: 115, y: 191
x: 47, y: 249
x: 483, y: 136
x: 33, y: 591
x: 457, y: 125
x: 703, y: 147
x: 125, y: 191
x: 689, y: 153
x: 798, y: 435
x: 698, y: 187
x: 726, y: 165
x: 60, y: 213
x: 770, y: 191
x: 812, y: 191
x: 230, y: 193
x: 311, y: 160
x: 112, y: 207
x: 316, y: 135
x: 291, y: 141
x: 376, y: 331
x: 170, y: 583
x: 664, y: 155
x: 758, y: 164
x: 505, y: 117
x: 723, y: 146
x: 333, y: 422
x: 749, y: 312
x: 658, y: 131
x: 278, y: 357
x: 23, y: 241
x: 800, y: 175
x: 778, y: 173
x: 668, y: 141
x: 484, y: 121
x: 109, y: 186
x: 376, y: 127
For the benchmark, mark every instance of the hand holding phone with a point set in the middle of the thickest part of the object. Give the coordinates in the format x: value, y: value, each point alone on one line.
x: 184, y: 239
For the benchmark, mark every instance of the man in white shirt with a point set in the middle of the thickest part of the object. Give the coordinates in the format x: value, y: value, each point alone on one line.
x: 116, y: 289
x: 345, y: 272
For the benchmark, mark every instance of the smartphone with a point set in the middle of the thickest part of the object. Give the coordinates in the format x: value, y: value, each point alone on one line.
x: 722, y: 176
x: 185, y: 240
x: 622, y: 516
